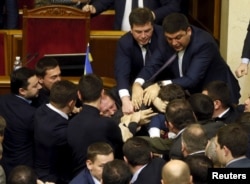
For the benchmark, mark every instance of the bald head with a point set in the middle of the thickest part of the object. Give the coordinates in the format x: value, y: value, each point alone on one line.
x: 176, y: 171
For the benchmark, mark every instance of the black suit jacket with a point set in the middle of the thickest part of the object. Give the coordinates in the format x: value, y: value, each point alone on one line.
x: 88, y: 127
x: 246, y: 47
x: 242, y: 163
x: 201, y: 64
x: 18, y: 135
x: 161, y: 8
x: 129, y: 60
x: 151, y: 174
x: 52, y: 155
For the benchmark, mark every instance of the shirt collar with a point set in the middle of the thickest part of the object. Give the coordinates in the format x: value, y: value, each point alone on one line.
x: 222, y: 114
x: 136, y: 174
x: 63, y: 114
x: 25, y: 99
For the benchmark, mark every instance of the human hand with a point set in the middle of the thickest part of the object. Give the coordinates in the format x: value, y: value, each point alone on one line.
x: 241, y: 70
x: 142, y: 117
x: 137, y: 95
x: 160, y: 105
x: 89, y: 8
x: 150, y: 93
x: 127, y: 106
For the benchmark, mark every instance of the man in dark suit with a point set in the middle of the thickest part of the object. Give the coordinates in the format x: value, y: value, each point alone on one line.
x: 138, y: 155
x: 198, y: 62
x: 133, y: 51
x: 231, y: 146
x: 245, y: 57
x: 88, y: 126
x: 224, y: 110
x: 52, y: 153
x: 159, y: 8
x: 15, y: 108
x: 98, y: 154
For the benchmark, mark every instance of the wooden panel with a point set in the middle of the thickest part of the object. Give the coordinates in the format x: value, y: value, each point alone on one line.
x: 103, y: 48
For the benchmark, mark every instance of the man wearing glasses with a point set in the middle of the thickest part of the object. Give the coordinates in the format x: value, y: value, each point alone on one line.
x: 196, y: 61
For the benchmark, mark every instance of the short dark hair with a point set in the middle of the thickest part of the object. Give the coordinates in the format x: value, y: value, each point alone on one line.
x: 234, y: 138
x: 199, y: 165
x: 44, y: 64
x: 171, y: 92
x: 116, y: 172
x: 22, y: 174
x: 180, y: 113
x: 175, y: 22
x: 140, y: 16
x: 19, y: 79
x: 62, y: 92
x: 137, y: 151
x: 90, y: 87
x: 219, y: 90
x: 202, y: 105
x: 98, y: 148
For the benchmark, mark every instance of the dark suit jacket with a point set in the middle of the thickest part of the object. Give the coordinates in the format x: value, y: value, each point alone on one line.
x: 211, y: 127
x: 151, y: 174
x: 129, y: 60
x: 175, y: 150
x: 201, y: 64
x: 242, y: 163
x: 18, y: 135
x: 246, y: 47
x: 161, y: 8
x: 84, y: 177
x: 88, y: 127
x: 52, y: 155
x: 231, y: 115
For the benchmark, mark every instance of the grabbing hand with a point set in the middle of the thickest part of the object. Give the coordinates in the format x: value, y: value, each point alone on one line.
x: 150, y: 93
x: 160, y: 105
x: 127, y: 106
x: 241, y: 70
x: 137, y: 95
x: 89, y: 8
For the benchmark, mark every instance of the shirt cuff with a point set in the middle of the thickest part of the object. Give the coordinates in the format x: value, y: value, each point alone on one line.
x: 245, y: 60
x: 166, y: 82
x: 123, y: 92
x: 141, y: 81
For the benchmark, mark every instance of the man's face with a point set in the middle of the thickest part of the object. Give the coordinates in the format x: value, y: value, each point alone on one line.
x: 179, y: 40
x: 52, y: 75
x: 142, y: 33
x: 96, y: 167
x: 220, y: 152
x: 107, y: 106
x: 247, y: 105
x: 32, y: 89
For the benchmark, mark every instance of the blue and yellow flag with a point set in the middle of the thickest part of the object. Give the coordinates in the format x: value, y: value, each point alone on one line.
x: 88, y: 67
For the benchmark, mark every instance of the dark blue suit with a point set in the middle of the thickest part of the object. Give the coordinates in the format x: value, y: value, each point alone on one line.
x: 18, y: 135
x: 52, y: 155
x: 201, y: 64
x: 246, y: 47
x: 84, y: 177
x: 88, y: 127
x: 242, y: 163
x: 161, y: 8
x: 129, y: 60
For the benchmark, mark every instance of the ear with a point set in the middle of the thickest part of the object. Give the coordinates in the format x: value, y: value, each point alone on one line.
x: 226, y: 151
x: 79, y: 95
x: 89, y: 164
x: 40, y: 79
x: 191, y: 179
x: 22, y: 91
x: 125, y: 159
x: 162, y: 182
x: 217, y: 104
x: 189, y: 31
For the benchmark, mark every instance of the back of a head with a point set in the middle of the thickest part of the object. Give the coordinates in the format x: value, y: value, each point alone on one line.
x: 180, y: 113
x: 202, y: 106
x: 194, y: 138
x: 116, y: 172
x: 19, y: 79
x: 44, y: 64
x: 137, y: 151
x: 176, y: 171
x: 234, y: 138
x: 199, y: 165
x: 22, y: 175
x: 244, y: 121
x: 171, y: 92
x: 62, y: 92
x: 175, y: 22
x: 140, y: 16
x: 210, y: 152
x: 219, y: 90
x: 90, y: 87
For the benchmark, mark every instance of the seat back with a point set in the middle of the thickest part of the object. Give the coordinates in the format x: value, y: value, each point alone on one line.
x: 3, y: 53
x: 53, y: 29
x: 103, y: 21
